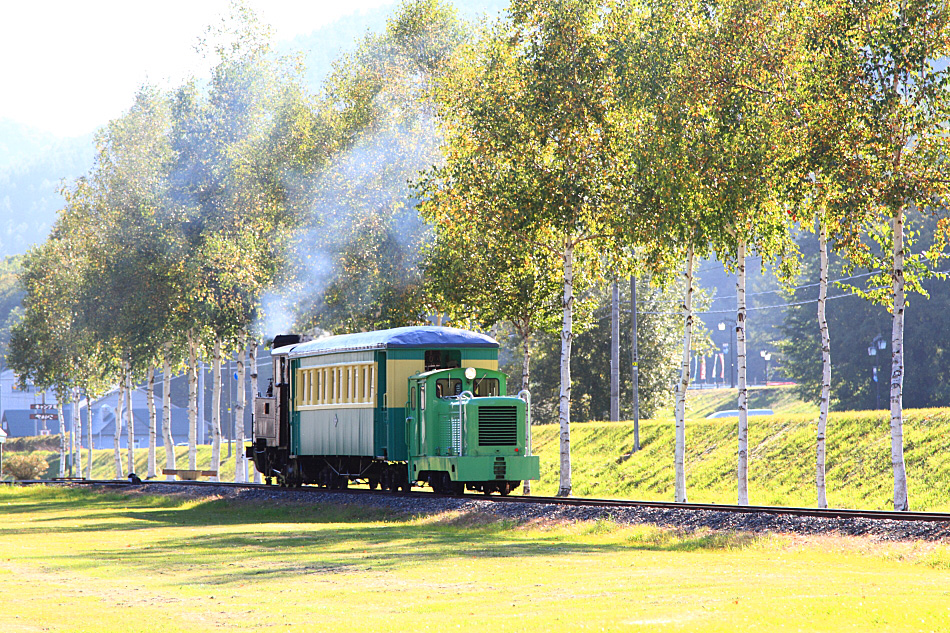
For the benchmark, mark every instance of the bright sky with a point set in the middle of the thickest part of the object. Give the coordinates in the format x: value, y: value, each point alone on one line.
x: 68, y: 66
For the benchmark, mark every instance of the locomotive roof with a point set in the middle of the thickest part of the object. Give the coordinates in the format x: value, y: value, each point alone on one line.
x: 426, y: 336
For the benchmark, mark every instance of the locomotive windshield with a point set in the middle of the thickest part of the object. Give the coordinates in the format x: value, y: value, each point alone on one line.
x: 448, y: 387
x: 486, y: 387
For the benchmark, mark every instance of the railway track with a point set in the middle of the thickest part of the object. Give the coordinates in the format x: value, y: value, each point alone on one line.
x: 822, y: 513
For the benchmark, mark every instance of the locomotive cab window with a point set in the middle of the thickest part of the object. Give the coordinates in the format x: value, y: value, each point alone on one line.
x: 486, y: 387
x: 448, y: 387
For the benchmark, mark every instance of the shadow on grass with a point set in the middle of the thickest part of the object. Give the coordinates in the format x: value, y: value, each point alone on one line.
x: 225, y: 559
x: 245, y: 541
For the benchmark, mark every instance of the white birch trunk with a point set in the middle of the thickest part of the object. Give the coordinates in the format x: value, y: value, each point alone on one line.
x: 62, y: 437
x: 825, y: 364
x: 152, y: 420
x: 130, y: 426
x: 564, y: 403
x: 192, y: 402
x: 743, y: 389
x: 679, y: 458
x: 216, y: 409
x: 88, y: 434
x: 615, y: 352
x: 117, y: 439
x: 240, y: 471
x: 252, y: 359
x: 525, y: 363
x: 76, y: 438
x: 167, y: 437
x: 525, y: 382
x: 897, y: 367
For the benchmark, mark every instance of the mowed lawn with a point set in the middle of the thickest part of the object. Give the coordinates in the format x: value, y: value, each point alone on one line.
x: 77, y: 560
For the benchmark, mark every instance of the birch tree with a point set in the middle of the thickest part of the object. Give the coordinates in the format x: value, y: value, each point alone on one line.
x: 130, y: 426
x: 736, y: 72
x: 252, y: 360
x: 117, y: 435
x: 528, y: 128
x: 889, y: 57
x: 167, y: 438
x: 240, y: 471
x: 152, y: 419
x: 60, y: 397
x: 216, y: 408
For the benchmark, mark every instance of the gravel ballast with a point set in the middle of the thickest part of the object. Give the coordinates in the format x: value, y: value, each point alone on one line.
x: 674, y: 518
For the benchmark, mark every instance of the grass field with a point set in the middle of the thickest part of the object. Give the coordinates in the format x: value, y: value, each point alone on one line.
x: 81, y: 561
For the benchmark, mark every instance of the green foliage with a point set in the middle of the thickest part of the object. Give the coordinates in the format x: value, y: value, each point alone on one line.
x: 854, y: 324
x: 24, y: 467
x: 360, y: 243
x: 49, y: 443
x: 659, y: 341
x: 11, y: 295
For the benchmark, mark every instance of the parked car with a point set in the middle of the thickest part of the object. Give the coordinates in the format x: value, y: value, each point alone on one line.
x: 734, y: 413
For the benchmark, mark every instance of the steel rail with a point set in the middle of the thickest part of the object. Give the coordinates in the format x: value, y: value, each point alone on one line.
x: 827, y: 513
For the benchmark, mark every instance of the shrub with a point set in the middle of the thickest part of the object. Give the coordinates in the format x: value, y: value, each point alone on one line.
x: 36, y: 443
x: 23, y: 467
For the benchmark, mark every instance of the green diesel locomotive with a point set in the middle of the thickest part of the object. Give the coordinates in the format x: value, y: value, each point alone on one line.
x: 395, y: 408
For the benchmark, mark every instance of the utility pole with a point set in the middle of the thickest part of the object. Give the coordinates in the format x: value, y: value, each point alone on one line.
x: 202, y: 420
x: 635, y: 363
x: 615, y: 352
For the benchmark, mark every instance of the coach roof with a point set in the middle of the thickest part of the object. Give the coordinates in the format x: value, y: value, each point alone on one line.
x: 426, y: 336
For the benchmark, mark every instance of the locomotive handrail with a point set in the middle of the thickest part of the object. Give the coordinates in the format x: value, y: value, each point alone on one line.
x: 463, y: 400
x: 525, y: 395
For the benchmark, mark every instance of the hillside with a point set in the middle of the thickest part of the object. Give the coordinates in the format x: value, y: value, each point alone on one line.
x: 781, y: 460
x: 781, y: 463
x: 781, y: 399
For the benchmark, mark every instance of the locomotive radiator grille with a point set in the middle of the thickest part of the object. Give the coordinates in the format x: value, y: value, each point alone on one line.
x: 497, y: 426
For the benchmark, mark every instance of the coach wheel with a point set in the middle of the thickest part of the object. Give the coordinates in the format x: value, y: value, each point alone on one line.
x: 325, y: 478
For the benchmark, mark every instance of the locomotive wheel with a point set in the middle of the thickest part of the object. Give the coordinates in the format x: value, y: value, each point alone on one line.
x: 442, y: 483
x: 373, y: 483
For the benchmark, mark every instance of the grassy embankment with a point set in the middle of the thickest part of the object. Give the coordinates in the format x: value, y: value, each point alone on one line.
x: 782, y: 456
x: 75, y: 560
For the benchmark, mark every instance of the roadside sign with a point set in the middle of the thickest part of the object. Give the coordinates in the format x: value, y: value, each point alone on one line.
x: 42, y: 406
x: 44, y: 416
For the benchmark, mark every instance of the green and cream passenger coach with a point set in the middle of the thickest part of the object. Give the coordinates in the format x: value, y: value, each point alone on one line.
x: 396, y: 408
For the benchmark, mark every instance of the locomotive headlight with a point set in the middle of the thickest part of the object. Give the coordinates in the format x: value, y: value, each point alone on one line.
x: 470, y: 373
